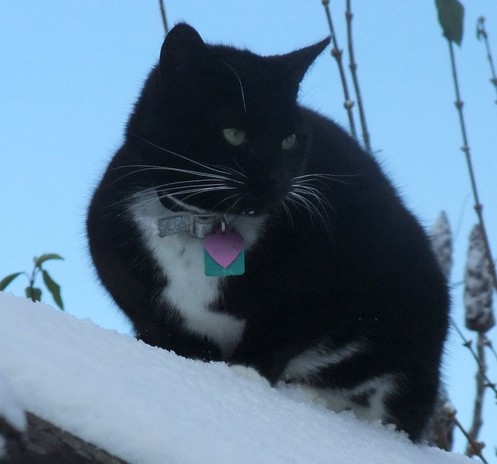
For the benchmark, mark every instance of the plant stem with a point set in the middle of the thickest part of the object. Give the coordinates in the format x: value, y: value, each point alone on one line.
x: 476, y: 446
x: 355, y: 79
x: 481, y: 32
x: 337, y: 54
x: 465, y: 148
x: 480, y: 392
x: 163, y: 15
x: 32, y: 280
x: 468, y: 344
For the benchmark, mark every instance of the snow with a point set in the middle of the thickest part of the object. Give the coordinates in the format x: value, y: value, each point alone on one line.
x: 149, y: 406
x: 10, y: 411
x: 478, y: 290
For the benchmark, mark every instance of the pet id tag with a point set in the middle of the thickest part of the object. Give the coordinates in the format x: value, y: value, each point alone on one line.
x: 224, y: 254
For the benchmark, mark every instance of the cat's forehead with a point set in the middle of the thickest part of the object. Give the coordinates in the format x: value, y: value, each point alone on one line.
x: 245, y: 61
x: 254, y: 71
x: 252, y: 84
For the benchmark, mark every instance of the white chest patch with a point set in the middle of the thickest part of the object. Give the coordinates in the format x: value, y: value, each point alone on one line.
x: 189, y: 291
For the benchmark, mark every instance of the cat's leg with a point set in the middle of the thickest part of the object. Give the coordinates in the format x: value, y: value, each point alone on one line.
x: 366, y: 400
x: 173, y: 337
x: 413, y: 404
x: 269, y: 345
x: 398, y: 398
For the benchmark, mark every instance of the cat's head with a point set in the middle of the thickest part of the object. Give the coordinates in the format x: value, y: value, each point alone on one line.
x: 222, y: 125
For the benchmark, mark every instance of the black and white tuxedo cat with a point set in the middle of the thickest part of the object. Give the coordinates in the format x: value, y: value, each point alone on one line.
x: 316, y: 272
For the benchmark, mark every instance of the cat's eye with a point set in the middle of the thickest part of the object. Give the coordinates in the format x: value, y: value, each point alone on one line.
x: 288, y: 142
x: 235, y: 136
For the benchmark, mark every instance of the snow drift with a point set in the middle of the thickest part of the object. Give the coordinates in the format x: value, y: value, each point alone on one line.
x: 149, y: 406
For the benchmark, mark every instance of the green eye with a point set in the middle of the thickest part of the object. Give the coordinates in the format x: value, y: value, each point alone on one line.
x: 235, y: 136
x: 288, y: 142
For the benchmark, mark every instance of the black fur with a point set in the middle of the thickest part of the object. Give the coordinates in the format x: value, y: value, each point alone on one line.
x: 348, y: 262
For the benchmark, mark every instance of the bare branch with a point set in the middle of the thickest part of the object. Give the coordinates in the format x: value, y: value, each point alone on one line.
x: 355, y: 79
x: 476, y: 446
x: 477, y: 421
x: 337, y: 53
x: 482, y: 33
x: 163, y: 15
x: 469, y: 345
x: 465, y: 148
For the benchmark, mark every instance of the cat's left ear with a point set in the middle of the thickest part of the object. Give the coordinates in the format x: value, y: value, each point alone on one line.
x: 297, y: 63
x: 182, y: 47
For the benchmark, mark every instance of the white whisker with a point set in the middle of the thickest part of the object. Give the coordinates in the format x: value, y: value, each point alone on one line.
x: 315, y: 193
x: 238, y: 201
x: 194, y: 191
x: 165, y: 187
x: 225, y: 199
x: 303, y: 195
x: 186, y: 189
x: 241, y: 85
x: 287, y: 211
x: 145, y: 167
x: 217, y: 169
x: 325, y: 180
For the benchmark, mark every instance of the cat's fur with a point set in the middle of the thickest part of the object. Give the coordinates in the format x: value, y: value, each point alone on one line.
x: 341, y: 292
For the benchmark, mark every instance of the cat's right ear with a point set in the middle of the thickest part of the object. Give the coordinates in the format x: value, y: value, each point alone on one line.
x: 182, y: 46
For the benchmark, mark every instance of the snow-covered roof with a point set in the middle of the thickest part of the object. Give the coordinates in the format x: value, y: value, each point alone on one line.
x: 148, y: 406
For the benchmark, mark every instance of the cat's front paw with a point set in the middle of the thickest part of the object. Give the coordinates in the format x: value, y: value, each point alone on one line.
x: 250, y: 373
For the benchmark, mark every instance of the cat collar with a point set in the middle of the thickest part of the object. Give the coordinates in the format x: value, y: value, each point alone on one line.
x: 197, y: 225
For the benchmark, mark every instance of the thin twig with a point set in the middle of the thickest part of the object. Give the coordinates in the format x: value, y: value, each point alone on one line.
x: 469, y: 345
x: 336, y: 52
x: 481, y: 32
x: 491, y: 347
x: 465, y: 148
x: 355, y: 79
x: 163, y: 15
x: 476, y: 446
x: 480, y: 390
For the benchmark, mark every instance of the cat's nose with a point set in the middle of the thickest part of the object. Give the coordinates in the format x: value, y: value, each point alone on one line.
x: 276, y: 184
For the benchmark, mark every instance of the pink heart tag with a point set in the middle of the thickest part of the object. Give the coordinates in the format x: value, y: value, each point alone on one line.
x: 224, y: 247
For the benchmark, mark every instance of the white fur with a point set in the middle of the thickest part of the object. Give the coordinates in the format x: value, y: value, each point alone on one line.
x: 338, y: 399
x: 181, y: 258
x: 310, y: 361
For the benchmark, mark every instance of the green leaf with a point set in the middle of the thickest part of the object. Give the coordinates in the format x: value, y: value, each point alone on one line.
x: 450, y: 16
x: 46, y: 257
x: 33, y: 293
x: 7, y: 280
x: 54, y: 289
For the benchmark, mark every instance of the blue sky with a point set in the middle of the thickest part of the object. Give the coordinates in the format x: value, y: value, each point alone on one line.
x: 71, y: 71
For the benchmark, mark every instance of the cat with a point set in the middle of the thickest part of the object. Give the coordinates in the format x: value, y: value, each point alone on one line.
x: 317, y: 274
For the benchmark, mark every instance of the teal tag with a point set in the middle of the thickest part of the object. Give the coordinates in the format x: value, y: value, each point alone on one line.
x: 224, y: 254
x: 213, y: 269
